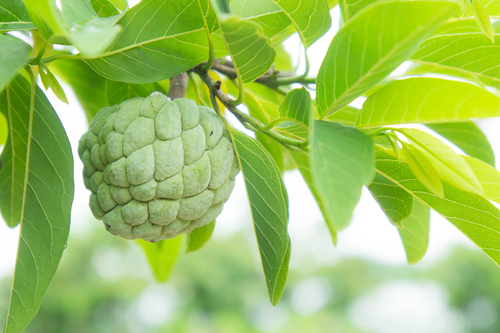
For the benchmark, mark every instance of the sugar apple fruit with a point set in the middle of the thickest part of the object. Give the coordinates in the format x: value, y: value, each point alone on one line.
x: 157, y: 168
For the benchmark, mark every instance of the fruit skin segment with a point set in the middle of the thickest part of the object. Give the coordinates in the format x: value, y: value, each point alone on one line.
x: 157, y: 168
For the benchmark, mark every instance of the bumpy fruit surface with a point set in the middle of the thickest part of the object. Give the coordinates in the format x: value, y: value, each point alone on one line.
x: 157, y: 168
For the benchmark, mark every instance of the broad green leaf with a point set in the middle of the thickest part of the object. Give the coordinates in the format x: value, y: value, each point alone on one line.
x: 364, y: 51
x: 267, y: 13
x: 423, y: 169
x: 473, y: 215
x: 468, y: 137
x: 427, y: 100
x: 457, y: 26
x: 461, y: 52
x: 46, y: 17
x: 349, y: 8
x: 50, y: 81
x: 162, y: 256
x: 427, y: 68
x: 199, y: 236
x: 415, y: 232
x: 36, y: 189
x: 105, y: 8
x: 117, y: 92
x: 88, y: 86
x: 346, y: 116
x: 298, y: 106
x: 491, y: 7
x: 301, y: 161
x: 488, y: 176
x: 341, y: 162
x: 450, y: 166
x: 76, y: 11
x: 269, y: 204
x: 14, y: 16
x: 251, y: 52
x: 15, y: 55
x: 396, y: 203
x: 310, y: 17
x: 159, y: 40
x: 93, y: 36
x: 483, y: 20
x: 4, y: 130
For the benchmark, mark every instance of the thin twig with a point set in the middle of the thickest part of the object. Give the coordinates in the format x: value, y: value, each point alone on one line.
x: 272, y: 79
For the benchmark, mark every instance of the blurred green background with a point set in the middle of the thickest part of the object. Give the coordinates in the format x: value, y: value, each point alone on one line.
x: 104, y: 285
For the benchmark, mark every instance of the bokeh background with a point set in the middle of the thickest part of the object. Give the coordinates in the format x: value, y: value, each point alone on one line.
x: 363, y: 285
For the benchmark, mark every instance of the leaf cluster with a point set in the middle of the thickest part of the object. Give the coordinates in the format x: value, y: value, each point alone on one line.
x: 233, y: 55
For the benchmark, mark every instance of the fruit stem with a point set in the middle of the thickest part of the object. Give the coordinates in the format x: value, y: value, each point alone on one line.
x: 178, y: 86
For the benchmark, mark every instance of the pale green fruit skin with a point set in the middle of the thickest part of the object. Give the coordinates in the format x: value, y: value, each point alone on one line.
x: 157, y: 168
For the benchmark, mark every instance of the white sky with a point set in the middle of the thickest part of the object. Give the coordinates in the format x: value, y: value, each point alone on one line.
x: 370, y: 234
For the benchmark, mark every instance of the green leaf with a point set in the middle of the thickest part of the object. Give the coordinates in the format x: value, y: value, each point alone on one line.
x: 88, y: 86
x: 50, y: 81
x: 269, y: 204
x: 4, y: 130
x: 162, y: 256
x: 468, y: 137
x: 199, y: 236
x: 473, y: 215
x: 46, y: 17
x: 483, y: 20
x: 266, y: 13
x: 461, y: 52
x: 36, y: 190
x: 298, y: 106
x: 14, y: 16
x: 427, y: 100
x: 349, y: 8
x: 310, y: 17
x: 251, y: 52
x: 75, y: 11
x: 15, y: 55
x: 488, y: 176
x: 117, y: 92
x: 346, y: 116
x: 450, y: 166
x: 341, y: 162
x: 396, y: 203
x: 105, y: 8
x: 415, y: 232
x: 93, y: 36
x: 491, y: 7
x: 301, y: 161
x: 423, y: 169
x: 457, y: 26
x: 364, y: 51
x: 144, y: 53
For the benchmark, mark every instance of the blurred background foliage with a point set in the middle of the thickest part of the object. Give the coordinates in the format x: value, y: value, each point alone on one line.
x: 104, y: 285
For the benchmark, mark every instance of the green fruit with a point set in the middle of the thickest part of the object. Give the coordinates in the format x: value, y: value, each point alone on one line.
x: 157, y: 168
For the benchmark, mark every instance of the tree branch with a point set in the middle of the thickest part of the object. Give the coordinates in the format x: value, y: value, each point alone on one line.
x: 178, y: 86
x: 247, y: 120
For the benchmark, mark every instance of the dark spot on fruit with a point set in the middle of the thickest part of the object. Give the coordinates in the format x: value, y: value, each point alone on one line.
x: 211, y: 132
